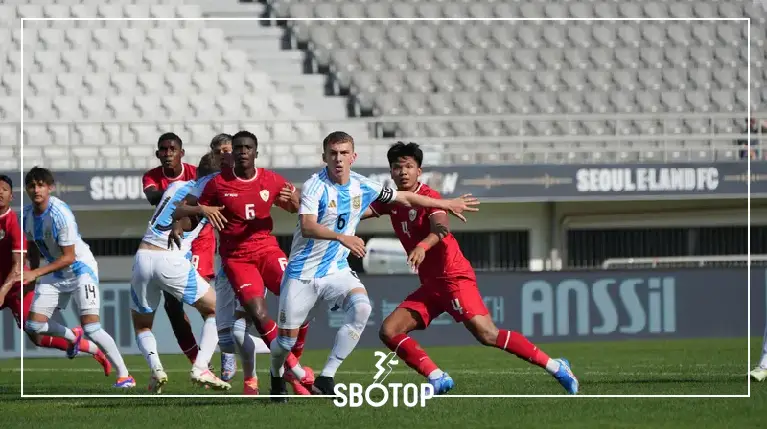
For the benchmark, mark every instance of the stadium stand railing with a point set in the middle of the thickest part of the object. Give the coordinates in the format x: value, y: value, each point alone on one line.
x: 685, y: 262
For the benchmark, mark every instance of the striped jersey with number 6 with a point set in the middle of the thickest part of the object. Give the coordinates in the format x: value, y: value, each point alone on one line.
x: 339, y: 208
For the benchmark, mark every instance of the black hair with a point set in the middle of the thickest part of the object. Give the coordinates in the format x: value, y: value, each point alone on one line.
x: 336, y: 137
x: 220, y: 140
x: 39, y: 174
x: 209, y: 164
x: 245, y: 135
x: 171, y: 137
x: 6, y: 179
x: 401, y: 150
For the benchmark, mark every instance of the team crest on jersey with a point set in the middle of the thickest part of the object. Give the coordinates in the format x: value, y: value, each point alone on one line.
x: 264, y: 194
x: 357, y: 202
x: 2, y: 234
x: 412, y: 214
x: 332, y: 204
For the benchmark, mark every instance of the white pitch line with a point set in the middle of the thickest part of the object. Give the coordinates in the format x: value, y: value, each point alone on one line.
x: 521, y: 372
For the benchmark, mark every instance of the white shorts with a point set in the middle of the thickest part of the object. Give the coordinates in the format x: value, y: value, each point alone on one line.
x: 155, y: 271
x: 226, y: 301
x: 298, y: 297
x: 53, y: 293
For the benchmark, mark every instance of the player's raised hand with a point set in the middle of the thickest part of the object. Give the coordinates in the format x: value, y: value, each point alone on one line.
x: 353, y: 243
x: 464, y: 203
x: 214, y: 216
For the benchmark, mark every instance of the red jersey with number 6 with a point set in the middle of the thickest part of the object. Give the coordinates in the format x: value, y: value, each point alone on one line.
x: 412, y: 224
x: 247, y: 209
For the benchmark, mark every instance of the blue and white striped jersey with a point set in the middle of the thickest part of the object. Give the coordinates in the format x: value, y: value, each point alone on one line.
x: 56, y: 228
x: 160, y: 224
x: 338, y: 207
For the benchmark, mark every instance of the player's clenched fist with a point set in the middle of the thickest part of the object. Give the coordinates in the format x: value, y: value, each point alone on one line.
x: 353, y: 243
x: 464, y: 203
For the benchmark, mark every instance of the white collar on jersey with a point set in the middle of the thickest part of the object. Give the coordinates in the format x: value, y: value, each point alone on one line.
x: 245, y: 180
x: 174, y: 178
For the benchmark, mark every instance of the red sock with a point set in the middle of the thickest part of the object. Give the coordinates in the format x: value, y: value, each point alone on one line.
x: 54, y: 342
x: 298, y: 349
x: 411, y: 352
x: 182, y: 329
x: 516, y: 343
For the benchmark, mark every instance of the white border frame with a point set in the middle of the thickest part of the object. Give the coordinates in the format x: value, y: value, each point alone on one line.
x: 218, y: 397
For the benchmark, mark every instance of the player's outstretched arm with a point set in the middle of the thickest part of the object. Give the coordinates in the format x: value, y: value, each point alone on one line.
x: 190, y: 208
x: 66, y: 259
x: 456, y: 206
x: 13, y: 276
x: 310, y: 228
x: 439, y: 229
x: 289, y: 199
x: 153, y: 195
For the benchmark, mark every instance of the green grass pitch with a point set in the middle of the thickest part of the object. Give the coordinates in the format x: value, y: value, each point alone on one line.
x: 680, y: 367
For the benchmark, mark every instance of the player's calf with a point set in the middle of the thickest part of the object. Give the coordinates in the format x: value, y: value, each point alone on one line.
x: 182, y: 328
x: 485, y: 331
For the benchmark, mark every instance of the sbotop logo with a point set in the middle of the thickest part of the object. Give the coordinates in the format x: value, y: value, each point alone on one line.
x: 379, y: 394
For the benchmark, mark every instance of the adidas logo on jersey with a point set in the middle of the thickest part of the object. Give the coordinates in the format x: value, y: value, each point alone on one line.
x: 332, y: 204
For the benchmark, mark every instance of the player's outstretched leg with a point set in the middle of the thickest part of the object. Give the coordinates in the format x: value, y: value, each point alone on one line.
x: 760, y: 372
x: 182, y: 328
x: 394, y: 333
x: 92, y: 328
x: 201, y: 373
x: 485, y: 331
x: 357, y: 310
x: 300, y: 377
x: 50, y: 342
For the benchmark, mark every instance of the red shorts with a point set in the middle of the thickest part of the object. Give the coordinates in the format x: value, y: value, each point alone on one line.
x: 251, y: 276
x: 13, y: 301
x: 460, y: 298
x: 204, y: 252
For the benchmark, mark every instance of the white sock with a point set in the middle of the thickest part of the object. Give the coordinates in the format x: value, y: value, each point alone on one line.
x: 357, y: 310
x: 763, y: 360
x: 437, y: 373
x: 208, y: 342
x: 552, y: 366
x: 107, y: 343
x: 148, y: 345
x: 280, y: 348
x: 244, y: 343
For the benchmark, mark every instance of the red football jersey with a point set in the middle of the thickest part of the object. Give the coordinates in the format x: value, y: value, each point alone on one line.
x: 412, y: 225
x: 157, y: 178
x: 10, y: 241
x: 247, y: 209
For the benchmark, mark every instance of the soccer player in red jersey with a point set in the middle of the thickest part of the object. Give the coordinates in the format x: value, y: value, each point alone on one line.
x: 448, y: 283
x: 250, y: 255
x: 170, y: 151
x: 12, y: 251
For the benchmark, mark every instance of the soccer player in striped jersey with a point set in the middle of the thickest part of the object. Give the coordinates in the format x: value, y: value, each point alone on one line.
x: 71, y: 270
x: 158, y: 270
x: 12, y: 251
x: 332, y: 203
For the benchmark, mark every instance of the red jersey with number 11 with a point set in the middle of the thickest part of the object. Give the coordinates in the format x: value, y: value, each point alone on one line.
x: 247, y: 209
x: 412, y: 224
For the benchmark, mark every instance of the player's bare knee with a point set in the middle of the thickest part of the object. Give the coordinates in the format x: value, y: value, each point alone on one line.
x: 87, y: 319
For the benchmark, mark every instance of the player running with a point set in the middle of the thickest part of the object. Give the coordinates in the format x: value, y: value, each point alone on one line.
x: 332, y: 202
x: 71, y: 269
x: 170, y: 151
x: 158, y: 270
x: 251, y: 257
x: 11, y: 263
x: 448, y: 283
